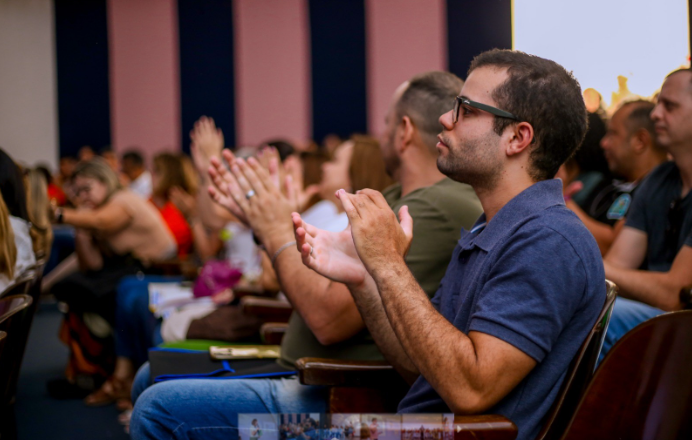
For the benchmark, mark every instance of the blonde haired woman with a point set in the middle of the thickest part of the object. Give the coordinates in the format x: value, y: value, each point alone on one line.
x: 38, y: 205
x: 117, y: 233
x: 8, y: 250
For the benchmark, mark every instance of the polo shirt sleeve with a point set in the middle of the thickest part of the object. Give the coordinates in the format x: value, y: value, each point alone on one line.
x: 533, y: 289
x: 688, y: 240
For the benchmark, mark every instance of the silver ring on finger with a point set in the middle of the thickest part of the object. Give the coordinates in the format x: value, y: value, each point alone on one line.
x: 249, y: 194
x: 312, y: 249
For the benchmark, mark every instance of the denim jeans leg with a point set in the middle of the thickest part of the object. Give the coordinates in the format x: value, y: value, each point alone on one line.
x: 627, y: 314
x: 208, y: 408
x: 142, y: 382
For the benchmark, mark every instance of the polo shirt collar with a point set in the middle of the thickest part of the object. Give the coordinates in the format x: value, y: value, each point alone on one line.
x: 536, y: 198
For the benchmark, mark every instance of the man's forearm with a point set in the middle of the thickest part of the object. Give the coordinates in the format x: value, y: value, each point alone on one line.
x: 372, y: 311
x: 326, y: 307
x: 444, y: 355
x: 656, y: 289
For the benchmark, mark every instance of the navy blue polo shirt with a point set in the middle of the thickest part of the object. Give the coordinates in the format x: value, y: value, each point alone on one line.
x: 533, y: 277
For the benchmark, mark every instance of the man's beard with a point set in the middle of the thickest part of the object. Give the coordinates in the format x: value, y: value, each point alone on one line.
x: 473, y: 163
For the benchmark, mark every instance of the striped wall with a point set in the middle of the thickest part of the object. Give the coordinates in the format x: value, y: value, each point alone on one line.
x: 143, y: 71
x: 138, y: 73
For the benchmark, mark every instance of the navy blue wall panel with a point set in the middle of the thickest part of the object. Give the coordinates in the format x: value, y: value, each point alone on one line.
x: 337, y: 29
x: 476, y: 26
x: 81, y: 35
x: 206, y: 65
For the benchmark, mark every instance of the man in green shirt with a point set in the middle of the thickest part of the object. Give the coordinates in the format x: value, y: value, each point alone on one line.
x: 326, y: 322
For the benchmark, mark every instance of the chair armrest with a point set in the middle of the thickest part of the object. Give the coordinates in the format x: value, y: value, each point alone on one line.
x: 241, y: 291
x: 345, y: 373
x: 484, y: 427
x: 269, y: 310
x: 273, y: 332
x: 176, y: 267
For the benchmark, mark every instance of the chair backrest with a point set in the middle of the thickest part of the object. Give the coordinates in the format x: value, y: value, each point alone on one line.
x: 14, y: 312
x: 20, y: 285
x: 643, y: 387
x: 35, y: 276
x: 580, y: 372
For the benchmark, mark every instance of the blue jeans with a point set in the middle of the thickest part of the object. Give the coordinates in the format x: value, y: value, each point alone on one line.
x: 627, y: 314
x: 135, y: 325
x: 209, y: 408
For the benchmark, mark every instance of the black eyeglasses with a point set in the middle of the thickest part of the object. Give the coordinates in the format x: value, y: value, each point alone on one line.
x: 460, y: 100
x: 674, y: 225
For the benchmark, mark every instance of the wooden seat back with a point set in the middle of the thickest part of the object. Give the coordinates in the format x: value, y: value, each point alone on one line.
x: 643, y: 387
x: 14, y: 311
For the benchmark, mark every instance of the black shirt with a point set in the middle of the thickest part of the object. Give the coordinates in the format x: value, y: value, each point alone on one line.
x: 665, y: 217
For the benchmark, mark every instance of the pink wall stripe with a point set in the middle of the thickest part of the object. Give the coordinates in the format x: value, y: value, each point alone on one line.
x: 272, y: 70
x: 144, y: 75
x: 404, y: 37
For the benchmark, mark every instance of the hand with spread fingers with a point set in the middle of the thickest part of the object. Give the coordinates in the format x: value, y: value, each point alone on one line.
x: 220, y: 190
x: 380, y: 239
x: 266, y: 209
x: 330, y: 254
x: 207, y: 142
x: 295, y: 186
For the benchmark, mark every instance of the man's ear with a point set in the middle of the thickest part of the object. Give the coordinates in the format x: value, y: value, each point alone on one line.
x: 521, y: 136
x: 640, y: 139
x: 406, y: 131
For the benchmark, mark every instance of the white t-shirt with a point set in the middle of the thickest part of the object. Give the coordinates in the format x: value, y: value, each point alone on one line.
x: 325, y: 215
x: 241, y: 250
x: 25, y: 251
x: 142, y: 185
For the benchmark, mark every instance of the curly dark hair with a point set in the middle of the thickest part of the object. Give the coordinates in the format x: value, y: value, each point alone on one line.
x: 544, y: 94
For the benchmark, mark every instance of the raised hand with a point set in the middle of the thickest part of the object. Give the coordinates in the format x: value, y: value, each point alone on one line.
x: 185, y: 202
x: 207, y: 142
x: 294, y: 184
x: 222, y: 179
x: 380, y: 239
x: 331, y: 254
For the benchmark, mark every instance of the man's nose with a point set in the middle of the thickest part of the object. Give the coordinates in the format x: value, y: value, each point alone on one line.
x: 447, y: 120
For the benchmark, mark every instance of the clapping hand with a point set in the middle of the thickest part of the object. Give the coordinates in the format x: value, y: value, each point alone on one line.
x: 331, y: 254
x: 295, y: 188
x: 380, y: 239
x: 207, y: 142
x: 222, y: 180
x: 260, y: 202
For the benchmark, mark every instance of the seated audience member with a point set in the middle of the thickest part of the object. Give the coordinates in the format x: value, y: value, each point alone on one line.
x: 14, y: 196
x: 651, y: 258
x: 16, y: 253
x: 86, y: 153
x: 55, y: 194
x: 168, y: 177
x: 525, y: 284
x: 631, y: 151
x: 140, y: 178
x: 326, y: 321
x: 39, y: 210
x: 117, y: 234
x: 588, y: 168
x: 65, y: 170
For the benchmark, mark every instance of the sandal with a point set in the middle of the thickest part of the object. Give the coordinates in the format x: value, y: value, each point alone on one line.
x: 111, y: 390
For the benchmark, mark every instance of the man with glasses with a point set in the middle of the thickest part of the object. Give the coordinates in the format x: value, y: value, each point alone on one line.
x: 525, y: 284
x: 651, y: 259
